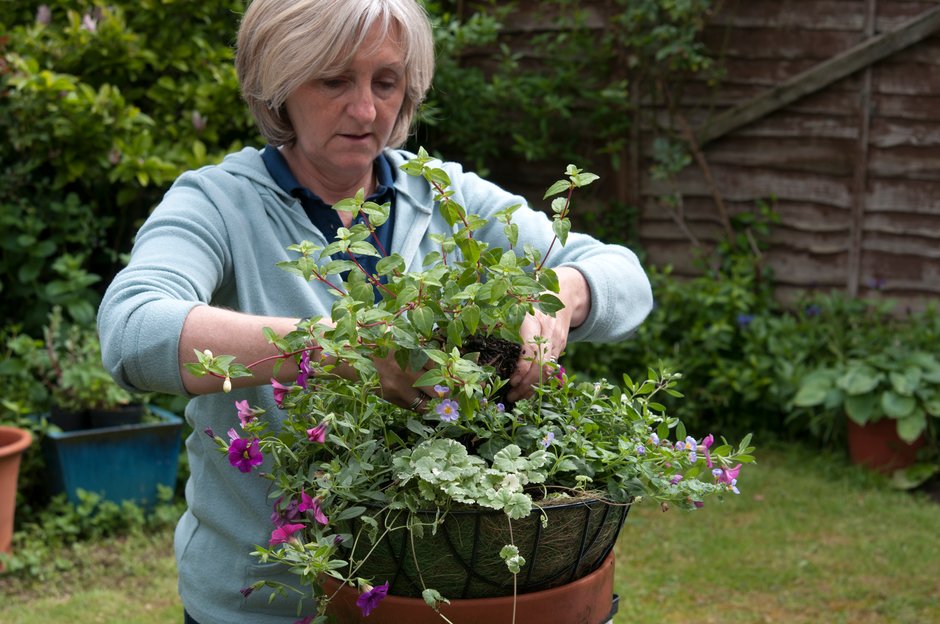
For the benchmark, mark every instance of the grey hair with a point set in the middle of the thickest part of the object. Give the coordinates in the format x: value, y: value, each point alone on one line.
x: 284, y: 43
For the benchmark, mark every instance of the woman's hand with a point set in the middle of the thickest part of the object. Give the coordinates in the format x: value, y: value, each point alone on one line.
x: 398, y: 385
x: 545, y: 337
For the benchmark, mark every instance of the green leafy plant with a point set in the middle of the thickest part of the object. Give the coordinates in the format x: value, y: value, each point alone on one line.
x: 64, y: 369
x: 343, y: 456
x: 876, y: 365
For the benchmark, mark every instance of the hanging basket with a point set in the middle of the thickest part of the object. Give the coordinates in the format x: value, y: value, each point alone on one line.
x: 461, y: 559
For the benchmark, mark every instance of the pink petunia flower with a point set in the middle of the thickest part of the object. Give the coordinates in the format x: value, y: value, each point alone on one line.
x: 706, y: 444
x: 245, y: 413
x: 318, y: 433
x: 304, y: 369
x: 284, y: 533
x: 313, y: 505
x: 729, y: 474
x: 280, y: 391
x: 370, y: 599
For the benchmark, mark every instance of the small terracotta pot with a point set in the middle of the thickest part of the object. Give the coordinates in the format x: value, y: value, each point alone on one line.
x: 588, y: 600
x: 877, y: 445
x: 13, y: 442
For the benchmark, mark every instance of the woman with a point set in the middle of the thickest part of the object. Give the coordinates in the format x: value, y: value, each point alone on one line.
x: 334, y: 86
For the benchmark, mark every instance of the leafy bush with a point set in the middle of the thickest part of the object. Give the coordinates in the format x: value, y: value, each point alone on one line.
x: 38, y: 545
x: 101, y: 107
x: 564, y: 93
x: 702, y: 327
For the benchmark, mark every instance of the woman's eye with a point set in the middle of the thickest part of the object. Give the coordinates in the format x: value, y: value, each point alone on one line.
x: 333, y: 83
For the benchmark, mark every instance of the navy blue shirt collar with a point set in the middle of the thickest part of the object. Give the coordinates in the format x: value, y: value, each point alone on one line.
x: 322, y: 215
x: 280, y: 171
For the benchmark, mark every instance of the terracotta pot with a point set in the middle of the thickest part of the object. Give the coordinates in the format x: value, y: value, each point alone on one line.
x: 13, y: 442
x: 589, y: 600
x: 876, y: 445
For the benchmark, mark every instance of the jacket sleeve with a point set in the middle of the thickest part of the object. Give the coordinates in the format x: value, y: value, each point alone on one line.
x: 178, y: 261
x: 621, y: 296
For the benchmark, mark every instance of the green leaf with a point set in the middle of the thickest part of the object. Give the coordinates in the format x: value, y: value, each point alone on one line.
x: 548, y: 280
x: 561, y: 227
x: 560, y: 186
x: 430, y: 378
x: 905, y: 382
x: 861, y: 408
x: 423, y: 320
x: 897, y: 406
x: 470, y: 316
x: 813, y: 391
x: 583, y: 179
x: 390, y: 264
x: 348, y: 513
x: 911, y: 427
x: 859, y: 379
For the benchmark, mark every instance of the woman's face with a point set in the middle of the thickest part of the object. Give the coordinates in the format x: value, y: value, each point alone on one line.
x: 344, y: 121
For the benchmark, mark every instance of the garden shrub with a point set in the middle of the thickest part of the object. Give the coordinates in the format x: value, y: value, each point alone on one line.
x: 102, y: 105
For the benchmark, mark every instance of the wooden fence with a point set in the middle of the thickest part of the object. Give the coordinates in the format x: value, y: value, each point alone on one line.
x: 830, y: 109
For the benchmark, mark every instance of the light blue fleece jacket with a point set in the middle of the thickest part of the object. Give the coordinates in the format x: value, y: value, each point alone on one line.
x: 215, y: 239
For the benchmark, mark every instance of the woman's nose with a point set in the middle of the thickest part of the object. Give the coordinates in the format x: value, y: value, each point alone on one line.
x: 362, y: 106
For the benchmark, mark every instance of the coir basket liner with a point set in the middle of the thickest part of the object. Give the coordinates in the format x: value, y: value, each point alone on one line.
x: 461, y: 558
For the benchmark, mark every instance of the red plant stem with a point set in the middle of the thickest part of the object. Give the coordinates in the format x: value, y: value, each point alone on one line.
x: 564, y: 213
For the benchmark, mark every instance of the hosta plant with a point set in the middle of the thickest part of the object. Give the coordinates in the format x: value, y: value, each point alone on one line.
x: 341, y: 453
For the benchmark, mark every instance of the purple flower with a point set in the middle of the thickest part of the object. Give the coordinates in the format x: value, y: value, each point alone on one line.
x: 692, y: 445
x: 441, y: 391
x: 745, y: 319
x: 733, y: 486
x: 284, y: 533
x: 305, y: 370
x: 640, y: 449
x: 875, y: 283
x: 89, y: 23
x: 654, y: 439
x: 547, y: 439
x: 447, y: 410
x: 44, y: 15
x: 312, y: 504
x: 813, y: 310
x: 500, y: 407
x: 370, y: 599
x: 318, y: 433
x: 198, y: 121
x: 280, y: 391
x: 244, y: 453
x: 288, y: 514
x: 560, y: 375
x: 247, y: 591
x: 675, y: 479
x: 209, y: 432
x: 245, y: 413
x: 729, y: 474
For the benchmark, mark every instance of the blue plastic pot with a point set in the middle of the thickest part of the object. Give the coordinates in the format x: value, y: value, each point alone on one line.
x: 120, y: 463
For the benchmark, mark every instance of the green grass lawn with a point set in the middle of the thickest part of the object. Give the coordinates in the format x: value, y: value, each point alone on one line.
x: 808, y: 540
